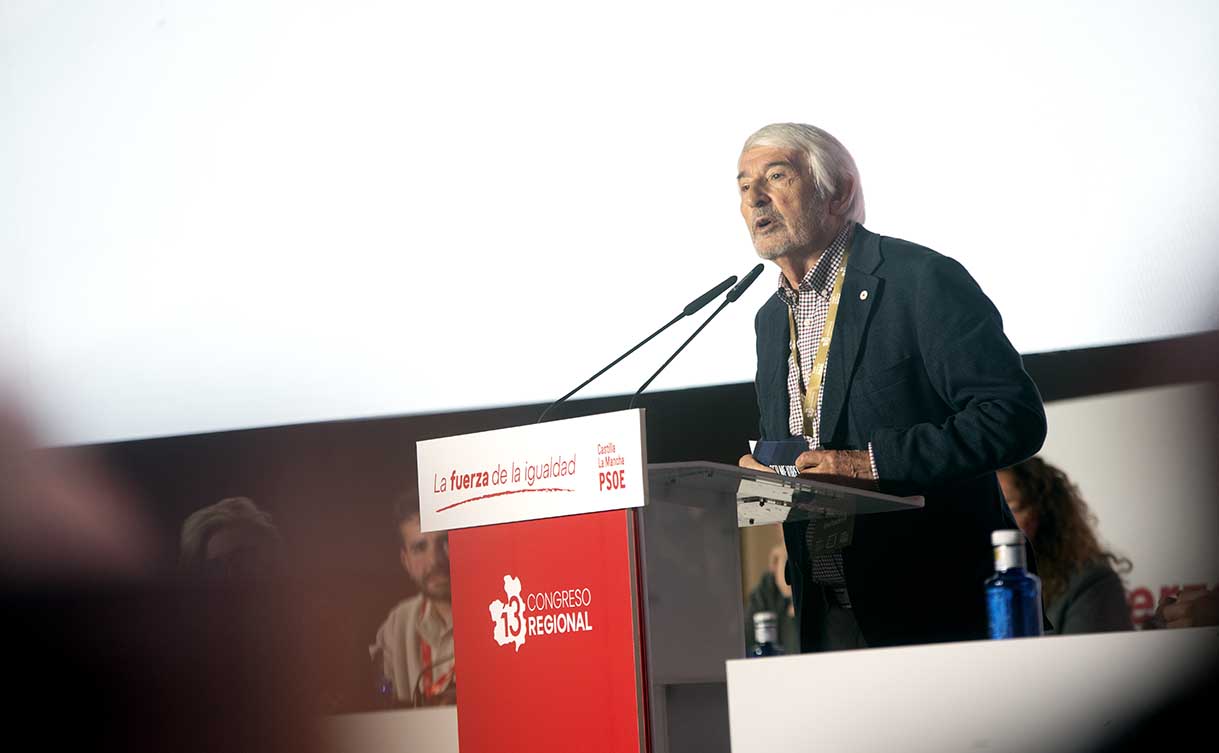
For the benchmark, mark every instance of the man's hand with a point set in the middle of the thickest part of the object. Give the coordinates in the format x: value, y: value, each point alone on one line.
x: 748, y: 461
x: 1193, y: 607
x: 846, y: 467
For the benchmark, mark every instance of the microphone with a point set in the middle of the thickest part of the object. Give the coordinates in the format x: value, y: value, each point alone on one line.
x: 733, y: 294
x: 743, y: 285
x: 691, y: 308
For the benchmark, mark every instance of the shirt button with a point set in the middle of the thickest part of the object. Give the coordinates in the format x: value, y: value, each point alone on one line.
x: 863, y: 295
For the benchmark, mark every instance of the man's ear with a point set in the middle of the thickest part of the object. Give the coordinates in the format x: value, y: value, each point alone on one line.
x: 402, y: 558
x: 840, y: 202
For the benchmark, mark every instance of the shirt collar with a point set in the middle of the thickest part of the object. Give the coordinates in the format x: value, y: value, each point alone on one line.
x: 820, y: 278
x: 431, y: 625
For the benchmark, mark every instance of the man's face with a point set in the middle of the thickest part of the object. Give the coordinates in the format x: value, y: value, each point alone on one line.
x: 1026, y: 516
x: 425, y: 556
x: 779, y: 202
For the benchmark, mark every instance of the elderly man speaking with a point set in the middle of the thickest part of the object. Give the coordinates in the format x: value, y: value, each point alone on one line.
x: 890, y: 361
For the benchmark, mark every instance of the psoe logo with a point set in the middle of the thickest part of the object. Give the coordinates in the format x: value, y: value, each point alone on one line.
x: 509, y: 618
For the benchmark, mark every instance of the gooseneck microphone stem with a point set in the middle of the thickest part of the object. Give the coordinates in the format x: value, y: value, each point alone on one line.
x: 612, y: 364
x: 691, y: 308
x: 733, y: 294
x: 655, y: 374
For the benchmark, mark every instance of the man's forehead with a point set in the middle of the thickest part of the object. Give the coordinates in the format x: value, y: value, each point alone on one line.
x: 410, y: 527
x: 412, y: 533
x: 756, y: 159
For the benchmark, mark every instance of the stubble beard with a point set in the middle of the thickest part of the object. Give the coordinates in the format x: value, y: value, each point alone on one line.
x: 793, y: 238
x: 774, y: 251
x: 438, y: 591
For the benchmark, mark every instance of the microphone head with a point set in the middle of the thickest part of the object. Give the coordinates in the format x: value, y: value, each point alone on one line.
x: 744, y: 284
x: 708, y: 297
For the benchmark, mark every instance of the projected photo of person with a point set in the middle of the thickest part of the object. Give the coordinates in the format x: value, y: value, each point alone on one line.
x: 413, y: 649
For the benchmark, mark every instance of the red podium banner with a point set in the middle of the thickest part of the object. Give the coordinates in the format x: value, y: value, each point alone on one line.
x: 546, y: 625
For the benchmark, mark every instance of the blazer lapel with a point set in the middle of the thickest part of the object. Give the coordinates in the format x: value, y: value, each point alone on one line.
x: 772, y: 386
x: 859, y: 291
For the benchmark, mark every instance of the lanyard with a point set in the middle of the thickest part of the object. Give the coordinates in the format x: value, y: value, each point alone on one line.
x: 432, y: 685
x: 812, y: 390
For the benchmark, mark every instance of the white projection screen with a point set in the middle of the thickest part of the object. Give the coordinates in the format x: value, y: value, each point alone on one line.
x: 231, y: 214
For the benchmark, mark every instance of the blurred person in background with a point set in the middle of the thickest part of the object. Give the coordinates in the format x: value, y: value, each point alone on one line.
x: 105, y: 656
x: 63, y: 518
x: 415, y: 643
x: 1081, y: 587
x: 232, y: 538
x: 773, y: 594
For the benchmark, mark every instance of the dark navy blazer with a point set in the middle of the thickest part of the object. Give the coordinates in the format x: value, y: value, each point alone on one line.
x: 920, y: 368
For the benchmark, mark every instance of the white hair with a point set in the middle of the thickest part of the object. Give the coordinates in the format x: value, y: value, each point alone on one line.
x: 830, y: 163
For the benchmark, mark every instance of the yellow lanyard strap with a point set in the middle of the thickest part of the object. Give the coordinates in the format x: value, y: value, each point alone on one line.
x: 812, y: 390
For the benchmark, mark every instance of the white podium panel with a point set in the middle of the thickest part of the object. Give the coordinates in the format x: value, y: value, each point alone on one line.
x: 1058, y: 693
x: 579, y: 465
x: 430, y: 730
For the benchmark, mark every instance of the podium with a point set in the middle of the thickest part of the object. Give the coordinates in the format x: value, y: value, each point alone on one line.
x: 596, y: 605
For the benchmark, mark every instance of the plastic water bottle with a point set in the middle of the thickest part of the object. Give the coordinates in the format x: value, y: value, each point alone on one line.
x: 766, y: 634
x: 1013, y: 595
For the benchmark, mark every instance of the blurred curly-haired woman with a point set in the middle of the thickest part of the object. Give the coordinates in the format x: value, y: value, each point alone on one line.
x: 1080, y: 584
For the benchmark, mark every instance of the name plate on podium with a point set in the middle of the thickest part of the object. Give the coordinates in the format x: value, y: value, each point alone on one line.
x: 578, y: 465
